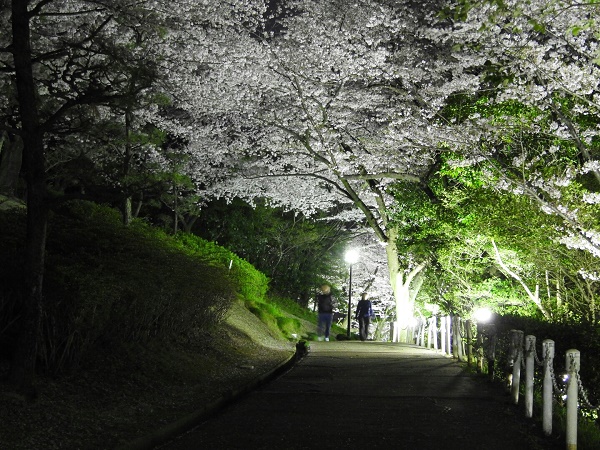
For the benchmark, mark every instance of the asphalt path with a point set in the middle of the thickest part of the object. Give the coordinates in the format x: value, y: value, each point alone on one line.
x: 371, y: 395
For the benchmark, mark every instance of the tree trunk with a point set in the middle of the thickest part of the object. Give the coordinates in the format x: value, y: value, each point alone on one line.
x: 127, y: 201
x: 23, y: 366
x: 11, y: 156
x: 401, y: 285
x: 304, y: 298
x: 127, y: 210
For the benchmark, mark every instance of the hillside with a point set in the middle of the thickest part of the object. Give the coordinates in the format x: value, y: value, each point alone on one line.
x: 113, y: 401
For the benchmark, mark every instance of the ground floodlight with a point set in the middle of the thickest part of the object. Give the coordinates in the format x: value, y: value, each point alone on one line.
x: 482, y: 315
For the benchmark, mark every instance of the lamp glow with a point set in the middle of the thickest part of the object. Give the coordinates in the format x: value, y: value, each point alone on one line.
x: 351, y: 256
x: 482, y: 315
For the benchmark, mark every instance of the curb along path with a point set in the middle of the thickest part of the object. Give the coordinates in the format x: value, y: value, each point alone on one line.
x: 370, y: 395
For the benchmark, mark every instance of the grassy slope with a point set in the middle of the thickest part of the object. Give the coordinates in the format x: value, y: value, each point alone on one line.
x: 113, y: 401
x: 115, y: 397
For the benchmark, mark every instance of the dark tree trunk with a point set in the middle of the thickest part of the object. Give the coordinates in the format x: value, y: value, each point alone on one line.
x: 127, y: 201
x: 303, y: 299
x: 11, y: 155
x: 23, y: 367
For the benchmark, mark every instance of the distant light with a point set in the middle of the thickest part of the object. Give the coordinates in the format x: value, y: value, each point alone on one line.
x: 432, y: 307
x: 482, y: 315
x: 351, y: 256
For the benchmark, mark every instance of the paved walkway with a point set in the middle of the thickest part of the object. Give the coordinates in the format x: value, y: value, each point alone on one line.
x: 370, y: 395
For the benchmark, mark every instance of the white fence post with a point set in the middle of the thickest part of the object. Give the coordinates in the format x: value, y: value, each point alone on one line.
x: 455, y: 336
x: 548, y: 348
x: 448, y: 335
x: 429, y: 333
x: 529, y: 374
x: 516, y: 343
x: 443, y: 334
x: 572, y: 364
x: 434, y: 332
x: 469, y: 336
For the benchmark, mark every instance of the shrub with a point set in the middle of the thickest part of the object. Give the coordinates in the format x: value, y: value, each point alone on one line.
x: 250, y: 283
x: 289, y: 326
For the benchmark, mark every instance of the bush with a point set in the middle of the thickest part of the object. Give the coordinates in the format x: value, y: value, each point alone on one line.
x: 277, y: 321
x: 249, y: 282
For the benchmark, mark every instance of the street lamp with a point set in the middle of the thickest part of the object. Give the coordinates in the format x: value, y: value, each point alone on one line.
x: 351, y: 258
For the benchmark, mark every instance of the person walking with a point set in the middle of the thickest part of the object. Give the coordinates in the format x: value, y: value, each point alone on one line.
x: 364, y: 312
x: 325, y: 306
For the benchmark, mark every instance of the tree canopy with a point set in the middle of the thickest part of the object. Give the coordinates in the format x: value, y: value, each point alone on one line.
x: 462, y: 135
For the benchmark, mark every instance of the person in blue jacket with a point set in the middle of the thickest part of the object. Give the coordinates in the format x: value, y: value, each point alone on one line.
x: 364, y: 313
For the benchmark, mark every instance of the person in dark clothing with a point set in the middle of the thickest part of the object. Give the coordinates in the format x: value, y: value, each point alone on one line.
x: 364, y: 312
x: 325, y: 306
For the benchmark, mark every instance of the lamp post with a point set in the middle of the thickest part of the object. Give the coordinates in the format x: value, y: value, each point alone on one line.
x: 351, y: 258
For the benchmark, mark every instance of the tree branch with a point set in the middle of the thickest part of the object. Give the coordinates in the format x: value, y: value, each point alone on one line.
x: 533, y: 297
x: 382, y: 175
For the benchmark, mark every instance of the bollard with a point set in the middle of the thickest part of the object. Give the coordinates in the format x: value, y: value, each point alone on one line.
x: 516, y: 346
x: 548, y: 346
x: 572, y: 364
x: 529, y: 374
x: 449, y: 335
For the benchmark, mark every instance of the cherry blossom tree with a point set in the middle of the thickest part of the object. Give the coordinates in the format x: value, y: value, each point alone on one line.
x: 540, y: 112
x: 65, y: 68
x: 537, y: 111
x: 341, y: 101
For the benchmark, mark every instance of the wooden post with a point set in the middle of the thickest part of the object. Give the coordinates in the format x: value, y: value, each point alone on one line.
x: 572, y: 363
x: 529, y: 374
x: 548, y: 346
